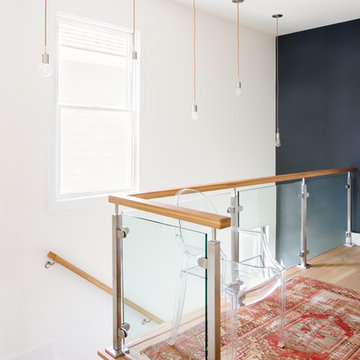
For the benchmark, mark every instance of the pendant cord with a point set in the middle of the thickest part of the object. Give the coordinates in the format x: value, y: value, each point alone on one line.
x: 277, y: 74
x: 45, y: 30
x: 194, y: 52
x: 133, y: 20
x: 238, y: 38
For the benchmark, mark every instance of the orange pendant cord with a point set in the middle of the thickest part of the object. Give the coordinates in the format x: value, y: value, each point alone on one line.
x: 45, y: 24
x: 133, y: 34
x: 194, y: 53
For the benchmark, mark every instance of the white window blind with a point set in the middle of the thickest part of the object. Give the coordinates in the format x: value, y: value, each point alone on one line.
x: 95, y: 97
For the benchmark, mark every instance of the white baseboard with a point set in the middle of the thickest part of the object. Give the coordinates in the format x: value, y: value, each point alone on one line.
x: 355, y: 238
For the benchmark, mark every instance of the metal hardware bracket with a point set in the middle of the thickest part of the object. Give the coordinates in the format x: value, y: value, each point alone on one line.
x: 203, y: 262
x: 304, y: 195
x: 123, y: 330
x: 49, y: 264
x: 122, y: 233
x: 234, y: 209
x: 304, y: 253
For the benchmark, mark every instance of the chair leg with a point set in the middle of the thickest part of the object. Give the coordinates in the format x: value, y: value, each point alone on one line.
x: 282, y: 301
x: 179, y: 305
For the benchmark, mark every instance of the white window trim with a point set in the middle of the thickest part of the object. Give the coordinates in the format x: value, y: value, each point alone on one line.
x: 85, y: 199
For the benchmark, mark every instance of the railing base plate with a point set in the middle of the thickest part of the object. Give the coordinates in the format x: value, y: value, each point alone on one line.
x: 306, y: 266
x: 104, y: 354
x: 350, y: 245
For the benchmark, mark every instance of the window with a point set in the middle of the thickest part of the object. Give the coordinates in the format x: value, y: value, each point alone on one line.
x: 96, y: 132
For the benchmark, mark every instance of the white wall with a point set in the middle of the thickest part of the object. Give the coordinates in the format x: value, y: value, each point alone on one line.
x: 233, y: 138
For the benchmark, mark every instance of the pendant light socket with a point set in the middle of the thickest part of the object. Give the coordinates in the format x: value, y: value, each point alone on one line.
x: 238, y: 88
x: 277, y: 139
x: 194, y: 114
x: 45, y: 58
x: 134, y: 55
x: 45, y: 69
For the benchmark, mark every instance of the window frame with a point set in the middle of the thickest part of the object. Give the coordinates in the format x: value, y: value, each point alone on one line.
x: 132, y: 107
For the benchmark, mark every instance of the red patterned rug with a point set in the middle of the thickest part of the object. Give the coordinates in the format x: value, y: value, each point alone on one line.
x: 322, y: 323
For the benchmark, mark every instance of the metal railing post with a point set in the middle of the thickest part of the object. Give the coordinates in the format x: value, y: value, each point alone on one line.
x: 348, y: 188
x: 213, y: 295
x: 304, y: 252
x: 234, y: 211
x: 120, y: 329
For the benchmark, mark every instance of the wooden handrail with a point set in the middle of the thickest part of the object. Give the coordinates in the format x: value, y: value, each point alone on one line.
x: 242, y: 183
x: 197, y: 217
x: 100, y: 285
x: 140, y: 201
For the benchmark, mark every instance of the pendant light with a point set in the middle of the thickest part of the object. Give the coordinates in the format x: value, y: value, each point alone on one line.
x: 238, y: 82
x: 134, y: 54
x: 194, y: 114
x: 277, y: 135
x: 45, y: 69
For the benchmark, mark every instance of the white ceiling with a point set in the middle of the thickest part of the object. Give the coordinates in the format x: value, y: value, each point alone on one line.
x: 298, y: 14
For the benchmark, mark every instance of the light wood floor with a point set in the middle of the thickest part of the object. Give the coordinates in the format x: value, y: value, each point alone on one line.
x: 340, y: 266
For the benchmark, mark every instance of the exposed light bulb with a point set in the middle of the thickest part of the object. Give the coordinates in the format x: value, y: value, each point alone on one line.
x: 238, y: 91
x: 277, y: 139
x: 45, y: 69
x: 134, y: 60
x: 194, y: 115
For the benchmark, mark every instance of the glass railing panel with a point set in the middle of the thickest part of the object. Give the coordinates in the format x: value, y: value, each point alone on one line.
x: 259, y: 212
x: 327, y: 213
x: 222, y: 201
x: 160, y: 266
x: 288, y: 223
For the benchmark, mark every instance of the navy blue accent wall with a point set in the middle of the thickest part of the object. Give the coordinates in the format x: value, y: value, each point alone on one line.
x: 319, y: 107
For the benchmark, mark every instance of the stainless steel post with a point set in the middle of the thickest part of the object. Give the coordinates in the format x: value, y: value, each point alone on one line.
x: 234, y: 210
x: 348, y: 187
x: 304, y: 252
x: 119, y: 328
x: 213, y: 295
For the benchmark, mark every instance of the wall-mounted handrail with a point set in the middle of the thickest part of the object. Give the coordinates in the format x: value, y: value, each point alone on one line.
x: 140, y: 201
x: 242, y: 183
x: 59, y: 260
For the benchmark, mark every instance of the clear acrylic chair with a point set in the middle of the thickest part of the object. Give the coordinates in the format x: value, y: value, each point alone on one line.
x: 195, y: 200
x: 253, y: 278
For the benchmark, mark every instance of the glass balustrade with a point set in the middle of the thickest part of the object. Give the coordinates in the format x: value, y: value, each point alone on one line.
x: 259, y: 211
x: 326, y: 213
x: 288, y: 223
x: 164, y: 287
